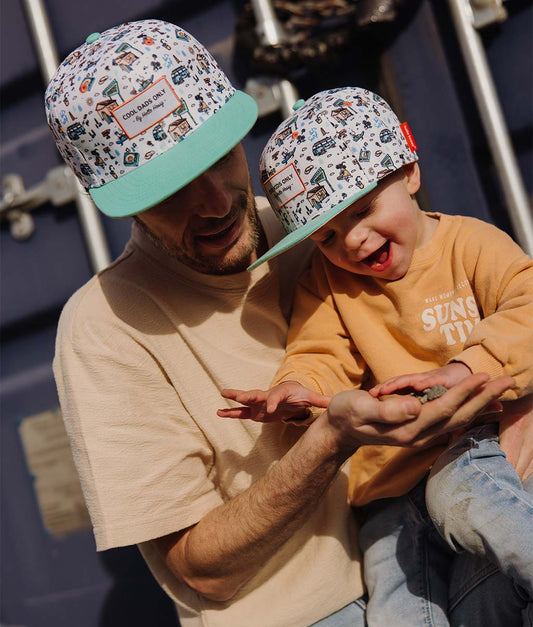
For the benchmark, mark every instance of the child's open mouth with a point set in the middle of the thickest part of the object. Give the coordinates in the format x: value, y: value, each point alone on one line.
x: 379, y: 260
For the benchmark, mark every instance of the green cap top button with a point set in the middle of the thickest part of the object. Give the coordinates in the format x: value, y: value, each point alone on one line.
x: 298, y: 104
x: 92, y: 38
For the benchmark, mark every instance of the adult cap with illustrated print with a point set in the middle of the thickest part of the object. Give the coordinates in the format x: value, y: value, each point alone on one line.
x: 330, y: 152
x: 141, y: 110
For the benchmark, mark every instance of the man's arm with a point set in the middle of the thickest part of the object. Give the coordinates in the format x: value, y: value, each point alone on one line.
x: 228, y: 546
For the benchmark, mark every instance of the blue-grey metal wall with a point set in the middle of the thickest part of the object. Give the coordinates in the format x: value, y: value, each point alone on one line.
x: 58, y: 582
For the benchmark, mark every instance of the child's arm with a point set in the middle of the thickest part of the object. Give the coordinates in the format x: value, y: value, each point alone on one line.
x: 501, y: 276
x: 320, y: 353
x: 501, y: 343
x: 285, y: 401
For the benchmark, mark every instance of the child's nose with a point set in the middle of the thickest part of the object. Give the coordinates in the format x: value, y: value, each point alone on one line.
x: 355, y: 238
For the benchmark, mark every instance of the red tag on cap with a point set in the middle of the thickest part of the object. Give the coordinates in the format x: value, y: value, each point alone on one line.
x: 408, y: 136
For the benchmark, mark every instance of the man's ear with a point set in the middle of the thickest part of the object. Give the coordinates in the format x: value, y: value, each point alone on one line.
x: 412, y: 174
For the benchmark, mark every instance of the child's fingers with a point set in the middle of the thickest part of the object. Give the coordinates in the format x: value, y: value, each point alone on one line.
x: 272, y: 404
x: 375, y: 391
x: 318, y: 400
x: 243, y: 413
x: 246, y: 397
x: 400, y: 383
x: 278, y: 395
x: 230, y: 393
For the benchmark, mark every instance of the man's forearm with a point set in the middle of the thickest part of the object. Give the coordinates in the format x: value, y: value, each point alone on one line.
x: 228, y: 546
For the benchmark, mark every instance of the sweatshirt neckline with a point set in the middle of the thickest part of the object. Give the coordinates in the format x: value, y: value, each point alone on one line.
x: 429, y: 250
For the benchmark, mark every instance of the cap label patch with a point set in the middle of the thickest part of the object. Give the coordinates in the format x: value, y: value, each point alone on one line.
x: 147, y: 108
x: 408, y: 136
x: 284, y: 186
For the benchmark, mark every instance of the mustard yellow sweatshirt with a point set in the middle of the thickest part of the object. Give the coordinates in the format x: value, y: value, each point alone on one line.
x: 467, y: 296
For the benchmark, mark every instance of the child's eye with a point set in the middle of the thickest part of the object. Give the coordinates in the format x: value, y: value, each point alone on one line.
x: 363, y: 211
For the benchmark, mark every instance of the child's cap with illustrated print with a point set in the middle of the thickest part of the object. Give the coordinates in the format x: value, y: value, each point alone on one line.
x: 331, y: 151
x: 141, y: 110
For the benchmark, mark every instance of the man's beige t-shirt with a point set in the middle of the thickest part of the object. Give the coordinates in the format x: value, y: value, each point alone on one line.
x: 142, y: 352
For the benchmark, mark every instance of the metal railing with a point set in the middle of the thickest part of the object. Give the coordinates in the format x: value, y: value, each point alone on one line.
x: 467, y: 18
x: 45, y: 48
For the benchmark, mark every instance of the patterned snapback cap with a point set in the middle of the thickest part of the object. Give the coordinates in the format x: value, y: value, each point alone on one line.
x: 141, y: 110
x: 330, y: 152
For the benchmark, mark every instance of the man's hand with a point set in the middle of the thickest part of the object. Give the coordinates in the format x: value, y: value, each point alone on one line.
x: 447, y: 376
x: 355, y: 417
x: 282, y: 402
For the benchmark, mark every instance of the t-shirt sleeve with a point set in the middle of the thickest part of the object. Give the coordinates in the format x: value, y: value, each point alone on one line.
x: 144, y: 465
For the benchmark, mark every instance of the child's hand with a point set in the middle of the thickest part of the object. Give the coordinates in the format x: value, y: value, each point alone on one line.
x: 447, y: 376
x: 284, y: 401
x: 516, y: 434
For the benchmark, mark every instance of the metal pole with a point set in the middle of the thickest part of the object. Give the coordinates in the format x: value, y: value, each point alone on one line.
x: 288, y: 95
x: 494, y: 123
x: 269, y: 29
x: 271, y: 33
x: 88, y: 214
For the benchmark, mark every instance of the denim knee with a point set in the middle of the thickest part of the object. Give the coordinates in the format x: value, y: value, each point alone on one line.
x: 454, y: 484
x: 478, y: 504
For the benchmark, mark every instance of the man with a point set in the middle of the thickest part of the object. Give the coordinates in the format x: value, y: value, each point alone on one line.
x: 241, y: 523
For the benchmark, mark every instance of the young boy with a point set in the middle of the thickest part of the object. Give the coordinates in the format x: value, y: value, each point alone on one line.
x: 393, y: 289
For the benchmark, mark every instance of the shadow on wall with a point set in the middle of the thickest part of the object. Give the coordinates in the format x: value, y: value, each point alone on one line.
x: 135, y: 599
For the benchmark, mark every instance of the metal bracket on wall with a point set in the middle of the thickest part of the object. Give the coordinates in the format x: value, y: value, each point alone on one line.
x: 486, y: 12
x: 58, y: 188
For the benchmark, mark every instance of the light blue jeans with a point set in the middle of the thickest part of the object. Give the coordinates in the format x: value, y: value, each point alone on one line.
x: 416, y: 576
x: 479, y: 505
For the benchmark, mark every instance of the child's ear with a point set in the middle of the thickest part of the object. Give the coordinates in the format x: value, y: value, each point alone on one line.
x: 412, y: 174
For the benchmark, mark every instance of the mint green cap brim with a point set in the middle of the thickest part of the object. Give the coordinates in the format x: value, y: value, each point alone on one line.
x: 167, y: 173
x: 308, y: 229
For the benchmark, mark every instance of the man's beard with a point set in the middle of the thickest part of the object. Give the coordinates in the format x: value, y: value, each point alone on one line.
x: 232, y: 263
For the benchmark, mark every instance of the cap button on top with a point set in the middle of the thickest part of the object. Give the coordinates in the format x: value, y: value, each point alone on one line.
x: 92, y: 38
x: 298, y: 104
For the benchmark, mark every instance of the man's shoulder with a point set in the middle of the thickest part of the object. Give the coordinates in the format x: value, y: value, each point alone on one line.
x: 104, y: 298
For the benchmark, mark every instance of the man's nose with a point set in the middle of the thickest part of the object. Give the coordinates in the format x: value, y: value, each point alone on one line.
x: 209, y: 196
